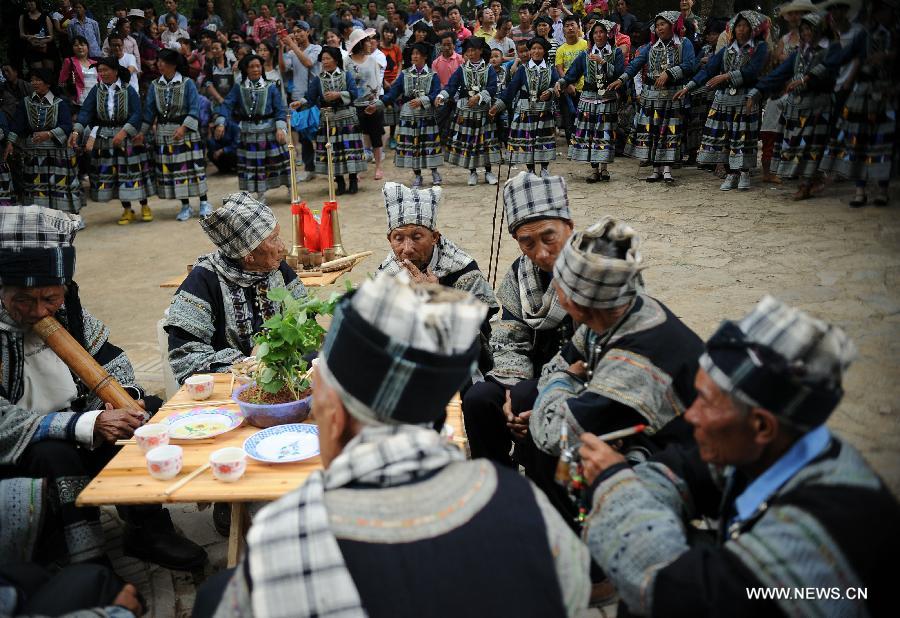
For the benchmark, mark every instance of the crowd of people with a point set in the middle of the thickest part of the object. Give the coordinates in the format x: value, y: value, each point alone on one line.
x: 613, y: 452
x: 437, y: 87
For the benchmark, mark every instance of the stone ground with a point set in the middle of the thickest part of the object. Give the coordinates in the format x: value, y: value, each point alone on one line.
x: 711, y: 255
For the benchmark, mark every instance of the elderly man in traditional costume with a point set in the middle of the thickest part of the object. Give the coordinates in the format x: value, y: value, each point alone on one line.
x: 398, y: 517
x: 222, y: 304
x: 532, y: 327
x: 631, y: 361
x: 786, y: 492
x: 55, y: 433
x: 418, y: 248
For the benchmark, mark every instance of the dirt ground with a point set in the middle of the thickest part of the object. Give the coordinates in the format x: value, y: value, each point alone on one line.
x: 711, y: 256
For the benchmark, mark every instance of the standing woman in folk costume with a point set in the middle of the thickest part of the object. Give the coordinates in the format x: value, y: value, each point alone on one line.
x: 731, y: 130
x: 865, y: 130
x: 40, y: 128
x: 174, y: 105
x: 472, y: 142
x: 256, y: 105
x: 669, y: 60
x: 394, y: 55
x: 809, y: 75
x: 532, y: 129
x: 418, y: 136
x: 697, y: 105
x: 119, y: 168
x: 334, y: 91
x: 594, y: 136
x: 6, y: 189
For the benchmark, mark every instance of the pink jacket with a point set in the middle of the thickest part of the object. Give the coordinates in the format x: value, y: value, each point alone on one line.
x: 71, y: 69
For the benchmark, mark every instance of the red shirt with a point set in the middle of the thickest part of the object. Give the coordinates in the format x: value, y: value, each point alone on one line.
x: 445, y: 67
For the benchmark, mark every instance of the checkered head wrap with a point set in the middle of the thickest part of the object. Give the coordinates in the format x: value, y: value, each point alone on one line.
x: 397, y: 352
x: 407, y: 206
x: 783, y: 360
x: 36, y: 246
x: 528, y: 197
x: 240, y: 225
x: 600, y: 267
x: 759, y: 24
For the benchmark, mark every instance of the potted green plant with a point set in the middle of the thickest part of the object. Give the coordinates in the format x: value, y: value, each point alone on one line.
x: 280, y: 389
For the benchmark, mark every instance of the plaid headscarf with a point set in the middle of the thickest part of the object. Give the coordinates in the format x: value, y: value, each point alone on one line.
x: 600, y: 267
x: 446, y: 259
x: 397, y: 352
x: 36, y: 246
x: 759, y: 24
x: 407, y: 206
x: 240, y: 225
x: 783, y: 360
x: 528, y: 197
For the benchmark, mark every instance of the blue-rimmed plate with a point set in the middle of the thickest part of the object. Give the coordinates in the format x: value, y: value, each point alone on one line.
x: 284, y: 443
x: 201, y: 423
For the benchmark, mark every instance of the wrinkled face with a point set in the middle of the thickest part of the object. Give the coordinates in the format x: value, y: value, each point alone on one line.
x: 414, y: 243
x: 254, y: 70
x: 742, y: 31
x: 600, y: 37
x: 570, y: 29
x: 542, y: 240
x: 329, y: 413
x: 270, y: 252
x: 28, y: 306
x: 39, y: 86
x: 663, y: 29
x: 116, y: 47
x: 537, y: 53
x: 107, y: 75
x: 447, y: 46
x: 724, y: 432
x: 80, y: 49
x: 172, y: 24
x: 328, y: 61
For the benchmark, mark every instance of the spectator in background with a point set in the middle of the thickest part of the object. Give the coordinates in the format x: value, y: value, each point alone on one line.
x: 120, y: 11
x: 622, y: 17
x: 126, y: 60
x: 524, y: 31
x: 36, y: 30
x: 138, y: 27
x: 212, y: 18
x: 373, y: 19
x: 270, y: 61
x: 150, y: 51
x: 394, y: 56
x: 499, y: 11
x: 454, y: 16
x: 314, y: 20
x: 448, y: 60
x: 218, y: 74
x: 426, y: 9
x: 240, y: 13
x: 80, y: 71
x: 303, y: 58
x: 565, y: 56
x: 402, y: 29
x: 264, y: 27
x: 149, y: 12
x: 193, y: 59
x: 171, y: 35
x: 280, y: 10
x: 172, y: 10
x: 501, y: 41
x: 486, y: 20
x: 413, y: 15
x: 84, y: 26
x: 130, y: 45
x: 543, y: 28
x: 246, y: 27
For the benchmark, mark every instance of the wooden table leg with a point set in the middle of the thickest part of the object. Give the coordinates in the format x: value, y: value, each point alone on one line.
x: 237, y: 533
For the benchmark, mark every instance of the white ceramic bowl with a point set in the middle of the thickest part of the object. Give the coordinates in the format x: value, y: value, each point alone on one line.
x: 164, y: 462
x: 148, y: 437
x: 229, y: 463
x: 199, y: 387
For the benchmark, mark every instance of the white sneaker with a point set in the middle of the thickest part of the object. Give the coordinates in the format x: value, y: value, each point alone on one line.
x: 417, y: 181
x: 490, y: 178
x: 205, y: 209
x: 730, y: 182
x: 185, y: 213
x: 744, y: 182
x: 305, y: 176
x: 545, y: 173
x: 436, y: 179
x: 473, y: 179
x: 369, y: 155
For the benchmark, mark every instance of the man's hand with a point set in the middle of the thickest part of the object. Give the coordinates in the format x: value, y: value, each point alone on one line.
x: 578, y: 368
x: 128, y: 598
x: 662, y: 80
x: 219, y: 132
x: 119, y: 138
x: 415, y: 104
x: 596, y: 456
x: 545, y: 95
x: 179, y: 133
x: 417, y: 275
x: 117, y: 424
x: 615, y: 85
x: 718, y: 79
x: 517, y: 424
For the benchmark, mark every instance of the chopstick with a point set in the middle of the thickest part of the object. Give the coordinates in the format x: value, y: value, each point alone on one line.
x: 176, y: 486
x: 172, y: 440
x: 622, y: 433
x: 197, y: 404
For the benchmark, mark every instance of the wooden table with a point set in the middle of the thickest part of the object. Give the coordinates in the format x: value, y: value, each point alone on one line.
x: 310, y: 281
x: 125, y: 480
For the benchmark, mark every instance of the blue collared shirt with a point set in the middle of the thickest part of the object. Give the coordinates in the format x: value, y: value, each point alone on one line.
x: 801, y: 453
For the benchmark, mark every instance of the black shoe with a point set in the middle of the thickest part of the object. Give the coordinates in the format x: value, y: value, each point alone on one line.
x: 858, y: 201
x: 604, y: 175
x: 341, y: 187
x: 166, y: 548
x: 354, y: 185
x: 881, y: 200
x: 222, y: 518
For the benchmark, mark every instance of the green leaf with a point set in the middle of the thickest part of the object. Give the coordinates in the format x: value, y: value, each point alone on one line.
x: 301, y: 318
x: 273, y: 387
x: 263, y: 350
x: 278, y: 294
x: 276, y: 342
x: 273, y: 323
x: 268, y: 374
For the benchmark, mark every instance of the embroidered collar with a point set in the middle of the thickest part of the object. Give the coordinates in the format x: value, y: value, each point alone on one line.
x: 423, y: 71
x: 738, y: 47
x: 259, y: 84
x: 606, y: 49
x: 533, y: 64
x: 337, y: 71
x: 177, y: 78
x: 675, y: 40
x: 49, y: 97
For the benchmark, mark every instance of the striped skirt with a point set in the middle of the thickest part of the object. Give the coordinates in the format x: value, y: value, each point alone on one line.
x: 862, y: 144
x: 391, y: 115
x: 594, y: 137
x: 119, y: 173
x: 656, y: 130
x: 50, y: 176
x: 346, y: 143
x: 7, y: 197
x: 473, y: 139
x: 532, y: 133
x: 804, y: 128
x: 731, y: 134
x: 262, y: 163
x: 418, y: 140
x: 701, y: 102
x: 180, y: 166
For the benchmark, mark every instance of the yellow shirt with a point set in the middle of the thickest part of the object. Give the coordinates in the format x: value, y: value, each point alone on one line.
x: 565, y: 56
x: 484, y: 34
